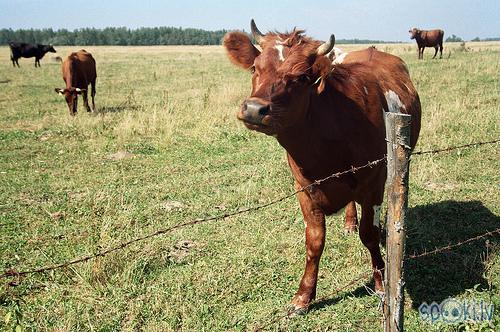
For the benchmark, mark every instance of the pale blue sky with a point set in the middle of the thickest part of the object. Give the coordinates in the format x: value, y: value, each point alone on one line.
x: 383, y: 20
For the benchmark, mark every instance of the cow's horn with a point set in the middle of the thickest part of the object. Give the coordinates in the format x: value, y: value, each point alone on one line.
x: 327, y: 46
x: 257, y: 35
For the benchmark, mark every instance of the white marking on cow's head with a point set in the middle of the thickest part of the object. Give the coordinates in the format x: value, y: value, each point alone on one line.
x: 376, y: 216
x: 394, y: 104
x: 366, y: 90
x: 279, y: 47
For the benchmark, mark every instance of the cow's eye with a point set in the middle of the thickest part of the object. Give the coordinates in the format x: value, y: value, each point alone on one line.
x: 252, y: 69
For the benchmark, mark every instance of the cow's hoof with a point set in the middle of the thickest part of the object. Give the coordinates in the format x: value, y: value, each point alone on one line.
x: 294, y: 310
x: 350, y: 224
x: 350, y: 229
x: 378, y: 284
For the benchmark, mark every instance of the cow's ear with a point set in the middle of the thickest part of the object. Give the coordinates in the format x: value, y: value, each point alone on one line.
x: 59, y: 91
x: 79, y: 91
x: 240, y: 49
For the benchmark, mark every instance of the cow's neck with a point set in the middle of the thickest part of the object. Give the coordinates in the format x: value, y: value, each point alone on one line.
x: 296, y: 141
x: 313, y: 141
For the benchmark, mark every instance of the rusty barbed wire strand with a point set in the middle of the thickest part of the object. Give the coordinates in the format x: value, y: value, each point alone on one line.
x: 455, y: 147
x: 451, y: 246
x: 14, y: 273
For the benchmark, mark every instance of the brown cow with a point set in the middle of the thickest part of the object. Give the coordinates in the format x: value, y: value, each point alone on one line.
x: 428, y: 38
x: 78, y: 71
x: 328, y: 117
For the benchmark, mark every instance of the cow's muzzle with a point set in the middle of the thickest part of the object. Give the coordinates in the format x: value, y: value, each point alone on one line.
x: 254, y: 112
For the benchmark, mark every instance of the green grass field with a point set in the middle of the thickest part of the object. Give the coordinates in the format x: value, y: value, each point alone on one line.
x: 165, y: 147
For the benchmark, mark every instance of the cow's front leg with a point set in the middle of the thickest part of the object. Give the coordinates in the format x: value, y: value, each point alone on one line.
x: 314, y: 220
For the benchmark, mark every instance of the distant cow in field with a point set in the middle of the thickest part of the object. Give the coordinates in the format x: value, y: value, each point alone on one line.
x: 24, y: 50
x: 78, y: 71
x: 328, y: 116
x: 428, y: 38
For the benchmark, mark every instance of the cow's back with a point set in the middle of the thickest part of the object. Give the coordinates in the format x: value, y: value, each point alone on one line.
x: 430, y: 38
x: 19, y: 49
x: 87, y: 64
x: 79, y: 68
x: 436, y: 36
x: 390, y: 79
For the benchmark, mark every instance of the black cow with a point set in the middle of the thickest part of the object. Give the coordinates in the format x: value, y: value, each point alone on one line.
x: 24, y: 50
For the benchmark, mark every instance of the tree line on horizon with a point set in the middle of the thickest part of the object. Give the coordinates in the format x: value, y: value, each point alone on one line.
x: 141, y: 36
x: 114, y: 36
x: 129, y: 37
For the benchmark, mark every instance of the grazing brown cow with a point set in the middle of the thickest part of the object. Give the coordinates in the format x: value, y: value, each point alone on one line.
x: 328, y: 117
x: 428, y: 38
x: 78, y: 71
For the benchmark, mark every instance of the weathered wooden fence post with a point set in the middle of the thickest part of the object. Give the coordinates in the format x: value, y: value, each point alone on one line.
x: 397, y: 128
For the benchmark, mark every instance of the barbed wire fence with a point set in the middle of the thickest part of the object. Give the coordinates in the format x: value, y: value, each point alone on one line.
x: 367, y: 273
x: 14, y: 273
